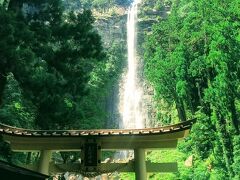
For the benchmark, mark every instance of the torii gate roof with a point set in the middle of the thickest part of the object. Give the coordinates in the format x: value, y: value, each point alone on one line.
x: 71, y: 140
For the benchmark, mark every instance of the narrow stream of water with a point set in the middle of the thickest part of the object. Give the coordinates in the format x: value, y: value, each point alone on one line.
x: 131, y: 112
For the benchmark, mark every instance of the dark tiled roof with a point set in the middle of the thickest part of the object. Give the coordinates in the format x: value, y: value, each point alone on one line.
x: 11, y: 170
x: 14, y: 131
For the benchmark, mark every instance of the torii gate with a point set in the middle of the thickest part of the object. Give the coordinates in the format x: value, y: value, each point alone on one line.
x: 91, y: 142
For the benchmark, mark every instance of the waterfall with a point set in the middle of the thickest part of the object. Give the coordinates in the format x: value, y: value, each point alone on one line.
x: 131, y: 106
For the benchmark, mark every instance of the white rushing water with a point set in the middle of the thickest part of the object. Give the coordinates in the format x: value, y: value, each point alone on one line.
x: 131, y: 93
x: 131, y: 109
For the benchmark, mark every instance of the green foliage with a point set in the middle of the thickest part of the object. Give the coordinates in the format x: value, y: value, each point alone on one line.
x: 54, y: 72
x: 129, y: 176
x: 236, y: 164
x: 16, y: 111
x: 65, y: 67
x: 192, y: 61
x: 201, y: 143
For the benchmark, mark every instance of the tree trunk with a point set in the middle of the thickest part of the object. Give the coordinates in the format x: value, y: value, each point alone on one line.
x: 29, y: 158
x: 235, y: 120
x: 180, y: 109
x: 5, y: 4
x: 226, y: 142
x: 64, y: 156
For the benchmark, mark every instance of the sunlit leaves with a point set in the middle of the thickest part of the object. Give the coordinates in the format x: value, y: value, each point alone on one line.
x: 198, y: 59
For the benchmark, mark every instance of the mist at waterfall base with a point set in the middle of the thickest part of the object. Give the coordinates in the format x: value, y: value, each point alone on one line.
x: 130, y: 102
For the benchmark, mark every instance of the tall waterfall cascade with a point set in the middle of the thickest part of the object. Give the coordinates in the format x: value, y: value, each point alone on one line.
x: 131, y: 104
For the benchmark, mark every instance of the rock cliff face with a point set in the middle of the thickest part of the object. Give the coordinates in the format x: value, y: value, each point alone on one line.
x: 111, y: 26
x: 150, y: 12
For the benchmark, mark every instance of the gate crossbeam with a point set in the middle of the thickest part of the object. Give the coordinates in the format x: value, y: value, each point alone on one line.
x: 109, y: 167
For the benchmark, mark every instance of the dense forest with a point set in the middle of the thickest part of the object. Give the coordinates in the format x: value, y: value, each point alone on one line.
x: 192, y: 61
x: 55, y: 73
